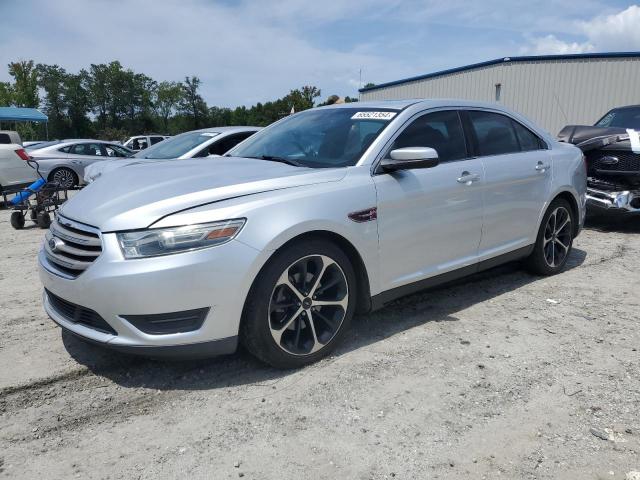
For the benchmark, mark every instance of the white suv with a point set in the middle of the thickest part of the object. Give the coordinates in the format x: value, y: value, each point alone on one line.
x: 140, y: 142
x: 15, y: 172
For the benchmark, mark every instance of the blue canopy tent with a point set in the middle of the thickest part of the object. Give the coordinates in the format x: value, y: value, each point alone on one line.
x: 19, y: 114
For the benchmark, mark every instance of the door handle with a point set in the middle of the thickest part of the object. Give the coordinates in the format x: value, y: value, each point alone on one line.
x: 542, y: 167
x: 468, y: 178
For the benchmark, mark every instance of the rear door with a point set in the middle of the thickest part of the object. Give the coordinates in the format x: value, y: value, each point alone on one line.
x: 517, y: 167
x: 430, y: 220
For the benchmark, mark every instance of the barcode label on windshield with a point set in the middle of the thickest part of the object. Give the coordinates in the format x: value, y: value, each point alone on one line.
x: 374, y: 116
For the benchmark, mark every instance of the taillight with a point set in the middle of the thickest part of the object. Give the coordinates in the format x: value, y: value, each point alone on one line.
x: 23, y: 154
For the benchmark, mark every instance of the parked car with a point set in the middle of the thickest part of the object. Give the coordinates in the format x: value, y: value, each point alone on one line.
x: 327, y: 212
x: 34, y: 143
x: 15, y: 172
x: 612, y: 151
x: 195, y: 144
x: 65, y: 161
x: 140, y: 142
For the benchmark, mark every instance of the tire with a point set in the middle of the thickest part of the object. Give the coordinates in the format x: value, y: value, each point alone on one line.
x: 283, y: 327
x: 43, y: 220
x: 554, y: 241
x: 64, y: 177
x: 17, y: 220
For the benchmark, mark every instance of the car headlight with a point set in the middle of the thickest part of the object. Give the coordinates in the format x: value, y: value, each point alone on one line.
x: 165, y: 241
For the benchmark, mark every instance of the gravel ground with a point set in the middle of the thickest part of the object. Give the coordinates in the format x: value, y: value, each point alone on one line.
x: 504, y: 375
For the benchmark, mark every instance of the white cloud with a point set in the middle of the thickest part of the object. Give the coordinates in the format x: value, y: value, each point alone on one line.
x: 620, y: 31
x: 615, y: 32
x: 550, y: 44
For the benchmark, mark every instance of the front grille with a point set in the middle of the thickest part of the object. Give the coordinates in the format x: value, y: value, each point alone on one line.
x: 602, y: 161
x: 77, y: 314
x: 71, y: 247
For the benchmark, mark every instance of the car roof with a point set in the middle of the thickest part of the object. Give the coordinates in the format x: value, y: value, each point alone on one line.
x: 426, y: 102
x: 225, y: 129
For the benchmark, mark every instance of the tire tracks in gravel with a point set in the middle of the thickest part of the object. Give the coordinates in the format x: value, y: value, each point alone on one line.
x: 80, y: 399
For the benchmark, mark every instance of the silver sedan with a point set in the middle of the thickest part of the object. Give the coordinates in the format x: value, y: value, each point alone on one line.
x: 65, y: 161
x: 328, y: 212
x: 206, y: 142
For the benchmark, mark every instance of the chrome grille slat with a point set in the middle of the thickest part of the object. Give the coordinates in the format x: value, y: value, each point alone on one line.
x: 61, y: 232
x: 72, y: 247
x: 67, y: 248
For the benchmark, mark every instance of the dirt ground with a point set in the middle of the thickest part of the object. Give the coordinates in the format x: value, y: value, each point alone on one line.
x: 504, y: 375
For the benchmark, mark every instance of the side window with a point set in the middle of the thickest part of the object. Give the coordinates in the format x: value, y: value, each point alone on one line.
x: 66, y: 149
x: 494, y: 132
x: 5, y: 139
x: 441, y: 131
x: 155, y: 140
x: 91, y: 149
x: 225, y: 144
x: 113, y: 151
x: 528, y: 140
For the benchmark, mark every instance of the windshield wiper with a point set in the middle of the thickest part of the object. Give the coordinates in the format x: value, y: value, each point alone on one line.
x: 273, y: 158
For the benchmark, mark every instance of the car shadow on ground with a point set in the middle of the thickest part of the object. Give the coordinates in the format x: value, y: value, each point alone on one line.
x: 436, y: 305
x: 620, y: 224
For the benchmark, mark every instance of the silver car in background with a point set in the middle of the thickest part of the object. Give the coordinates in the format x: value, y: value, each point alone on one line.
x: 201, y: 143
x: 328, y: 212
x: 65, y: 161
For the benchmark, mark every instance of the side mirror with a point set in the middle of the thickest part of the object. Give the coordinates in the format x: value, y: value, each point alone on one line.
x: 409, y: 158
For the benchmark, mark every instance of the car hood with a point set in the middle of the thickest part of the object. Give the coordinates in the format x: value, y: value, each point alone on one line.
x: 589, y: 138
x: 140, y: 195
x: 95, y: 170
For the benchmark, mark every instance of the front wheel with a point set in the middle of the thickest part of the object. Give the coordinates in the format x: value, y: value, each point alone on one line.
x: 555, y: 239
x: 300, y: 305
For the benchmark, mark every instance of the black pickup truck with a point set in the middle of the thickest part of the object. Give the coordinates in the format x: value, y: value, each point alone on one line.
x: 612, y: 151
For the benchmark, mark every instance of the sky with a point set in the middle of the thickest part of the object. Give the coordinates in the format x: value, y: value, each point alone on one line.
x: 254, y: 51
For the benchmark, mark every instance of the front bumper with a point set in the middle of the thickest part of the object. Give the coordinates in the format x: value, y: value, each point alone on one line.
x: 216, y: 278
x: 623, y: 202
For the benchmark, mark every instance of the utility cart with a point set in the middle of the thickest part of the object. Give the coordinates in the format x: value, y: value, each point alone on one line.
x: 36, y: 202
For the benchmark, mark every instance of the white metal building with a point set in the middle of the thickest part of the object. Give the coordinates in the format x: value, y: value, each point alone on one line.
x: 552, y: 90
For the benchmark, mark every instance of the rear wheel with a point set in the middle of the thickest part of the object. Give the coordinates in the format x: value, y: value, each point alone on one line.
x: 300, y: 305
x: 64, y: 177
x: 554, y: 241
x: 17, y: 220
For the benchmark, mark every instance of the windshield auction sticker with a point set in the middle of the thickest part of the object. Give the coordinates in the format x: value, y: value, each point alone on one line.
x: 374, y: 116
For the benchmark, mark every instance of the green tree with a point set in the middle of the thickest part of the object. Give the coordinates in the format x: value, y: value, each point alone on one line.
x: 192, y: 102
x: 51, y: 78
x: 78, y: 103
x: 167, y: 98
x: 6, y: 94
x: 25, y: 87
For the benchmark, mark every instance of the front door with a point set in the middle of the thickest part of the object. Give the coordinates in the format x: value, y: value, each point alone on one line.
x: 430, y: 220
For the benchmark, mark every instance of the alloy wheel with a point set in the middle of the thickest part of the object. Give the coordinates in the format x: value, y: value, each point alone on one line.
x: 308, y: 305
x: 557, y: 237
x: 64, y: 177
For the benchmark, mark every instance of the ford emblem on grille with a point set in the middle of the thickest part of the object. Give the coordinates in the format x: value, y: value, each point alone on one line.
x: 54, y: 243
x: 608, y: 160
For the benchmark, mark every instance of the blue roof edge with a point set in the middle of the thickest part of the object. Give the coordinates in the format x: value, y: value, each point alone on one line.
x: 529, y: 58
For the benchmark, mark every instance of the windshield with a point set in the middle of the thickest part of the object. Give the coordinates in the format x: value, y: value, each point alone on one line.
x: 318, y: 138
x: 177, y: 146
x: 623, y: 118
